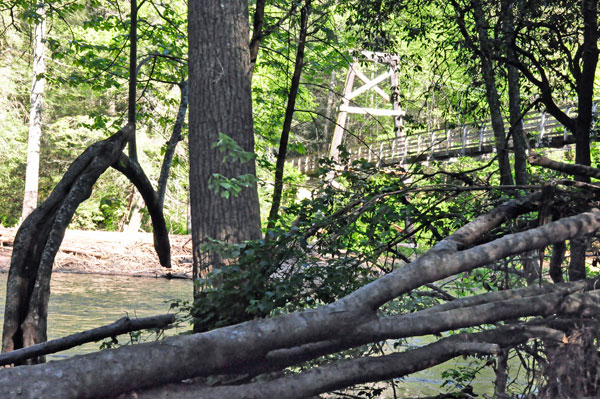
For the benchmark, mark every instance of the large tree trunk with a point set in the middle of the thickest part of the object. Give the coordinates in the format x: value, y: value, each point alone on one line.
x: 35, y: 114
x: 220, y: 103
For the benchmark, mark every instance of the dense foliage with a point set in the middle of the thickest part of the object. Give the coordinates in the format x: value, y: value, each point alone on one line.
x: 353, y: 221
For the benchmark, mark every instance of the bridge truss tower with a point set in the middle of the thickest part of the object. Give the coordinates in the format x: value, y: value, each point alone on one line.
x: 354, y: 71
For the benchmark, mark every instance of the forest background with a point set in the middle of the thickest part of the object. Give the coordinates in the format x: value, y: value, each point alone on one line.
x: 459, y: 63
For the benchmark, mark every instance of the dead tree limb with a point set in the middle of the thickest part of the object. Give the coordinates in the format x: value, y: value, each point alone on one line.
x: 570, y: 169
x: 363, y: 369
x: 247, y: 348
x: 121, y: 326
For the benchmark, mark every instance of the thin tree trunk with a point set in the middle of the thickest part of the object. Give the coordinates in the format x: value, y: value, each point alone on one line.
x: 289, y: 113
x: 585, y: 82
x: 501, y: 375
x: 329, y: 107
x: 35, y: 114
x: 492, y: 94
x: 577, y: 263
x: 518, y: 135
x: 172, y: 144
x: 257, y: 33
x: 514, y: 97
x: 558, y: 254
x: 583, y: 123
x: 134, y: 220
x: 132, y: 100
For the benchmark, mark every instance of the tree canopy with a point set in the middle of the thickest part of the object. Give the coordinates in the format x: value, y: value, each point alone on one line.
x: 319, y: 284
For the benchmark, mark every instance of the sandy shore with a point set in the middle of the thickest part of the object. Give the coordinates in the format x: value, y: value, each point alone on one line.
x: 102, y: 252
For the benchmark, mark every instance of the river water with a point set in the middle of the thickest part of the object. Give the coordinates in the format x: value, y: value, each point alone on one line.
x: 83, y: 301
x: 80, y: 302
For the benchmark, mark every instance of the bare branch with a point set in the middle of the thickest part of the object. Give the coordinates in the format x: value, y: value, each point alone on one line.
x: 571, y: 169
x: 121, y: 326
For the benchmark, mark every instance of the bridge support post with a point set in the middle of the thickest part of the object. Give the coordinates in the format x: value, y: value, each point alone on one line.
x: 369, y: 84
x: 340, y: 125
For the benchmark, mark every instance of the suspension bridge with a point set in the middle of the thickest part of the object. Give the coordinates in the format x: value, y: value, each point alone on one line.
x: 541, y: 129
x: 475, y: 139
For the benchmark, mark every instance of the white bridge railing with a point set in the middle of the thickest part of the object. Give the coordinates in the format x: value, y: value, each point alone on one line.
x: 542, y: 129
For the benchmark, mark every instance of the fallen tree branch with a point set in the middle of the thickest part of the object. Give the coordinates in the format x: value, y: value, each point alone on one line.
x: 344, y: 322
x: 427, y: 323
x: 345, y: 373
x: 121, y: 326
x: 517, y: 293
x: 427, y: 268
x: 570, y: 169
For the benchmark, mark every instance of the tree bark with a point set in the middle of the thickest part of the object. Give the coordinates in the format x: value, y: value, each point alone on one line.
x: 35, y: 113
x: 289, y: 113
x: 275, y: 343
x: 220, y: 102
x: 38, y: 240
x: 121, y: 326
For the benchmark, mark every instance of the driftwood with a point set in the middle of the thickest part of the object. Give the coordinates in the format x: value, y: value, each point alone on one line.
x: 121, y: 326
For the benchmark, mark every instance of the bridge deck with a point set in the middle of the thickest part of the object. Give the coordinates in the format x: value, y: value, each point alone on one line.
x: 542, y: 130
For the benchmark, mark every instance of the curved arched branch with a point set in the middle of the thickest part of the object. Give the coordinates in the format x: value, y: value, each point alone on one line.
x: 39, y: 237
x: 133, y: 171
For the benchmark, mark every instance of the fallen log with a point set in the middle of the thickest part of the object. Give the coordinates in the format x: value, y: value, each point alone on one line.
x: 121, y: 326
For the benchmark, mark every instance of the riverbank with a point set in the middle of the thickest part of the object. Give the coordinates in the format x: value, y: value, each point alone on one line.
x: 111, y: 253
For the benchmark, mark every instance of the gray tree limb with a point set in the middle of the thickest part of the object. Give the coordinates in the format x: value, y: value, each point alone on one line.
x: 219, y: 351
x: 570, y: 169
x: 121, y: 326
